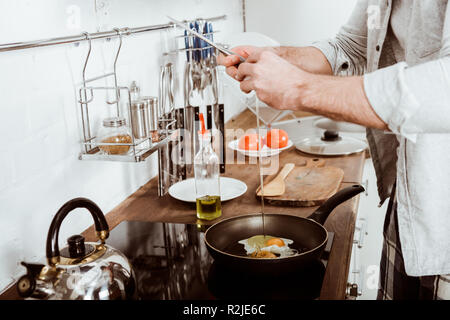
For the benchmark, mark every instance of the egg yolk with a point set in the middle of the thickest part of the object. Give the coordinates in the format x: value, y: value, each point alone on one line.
x: 275, y: 241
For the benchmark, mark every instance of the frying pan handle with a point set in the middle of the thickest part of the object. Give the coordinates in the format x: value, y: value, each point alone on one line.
x: 322, y: 213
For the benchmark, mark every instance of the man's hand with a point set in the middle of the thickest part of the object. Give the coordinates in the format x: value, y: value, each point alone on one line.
x: 275, y: 81
x: 230, y: 62
x: 283, y: 85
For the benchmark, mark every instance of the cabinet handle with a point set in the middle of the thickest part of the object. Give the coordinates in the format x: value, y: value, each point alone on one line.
x: 366, y: 187
x: 361, y: 229
x: 352, y: 291
x: 362, y: 233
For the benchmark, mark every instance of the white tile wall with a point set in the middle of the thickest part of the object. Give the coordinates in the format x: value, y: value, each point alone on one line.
x: 297, y: 22
x: 39, y: 128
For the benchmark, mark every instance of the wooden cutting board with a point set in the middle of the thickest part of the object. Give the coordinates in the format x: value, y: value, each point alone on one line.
x: 308, y: 186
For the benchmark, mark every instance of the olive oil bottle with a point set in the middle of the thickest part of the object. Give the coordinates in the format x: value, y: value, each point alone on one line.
x: 207, y: 183
x: 209, y: 207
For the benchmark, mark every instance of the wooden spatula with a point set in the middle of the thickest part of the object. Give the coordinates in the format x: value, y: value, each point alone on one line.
x: 276, y: 186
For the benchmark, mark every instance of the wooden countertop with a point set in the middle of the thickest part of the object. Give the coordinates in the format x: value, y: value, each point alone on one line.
x: 145, y: 205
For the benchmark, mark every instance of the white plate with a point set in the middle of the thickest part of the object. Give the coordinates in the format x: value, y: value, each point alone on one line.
x: 265, y: 151
x: 229, y: 189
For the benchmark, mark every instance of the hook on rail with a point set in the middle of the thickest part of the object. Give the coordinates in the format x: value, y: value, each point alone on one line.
x: 120, y: 35
x: 86, y: 100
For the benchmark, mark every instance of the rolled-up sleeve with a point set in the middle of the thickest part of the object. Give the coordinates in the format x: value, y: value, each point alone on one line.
x: 412, y: 100
x: 346, y: 53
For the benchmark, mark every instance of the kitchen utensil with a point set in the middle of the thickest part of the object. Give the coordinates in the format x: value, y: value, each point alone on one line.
x: 170, y: 87
x: 219, y: 121
x: 82, y: 271
x: 330, y: 144
x: 213, y: 68
x: 308, y: 186
x: 308, y: 234
x: 180, y: 163
x: 202, y: 37
x: 166, y: 87
x: 229, y: 189
x: 265, y: 151
x: 153, y: 115
x: 276, y: 186
x: 195, y: 74
x: 167, y: 170
x: 163, y: 180
x: 140, y: 119
x: 162, y: 92
x: 189, y: 126
x: 163, y: 152
x: 188, y: 84
x: 204, y: 64
x: 209, y: 116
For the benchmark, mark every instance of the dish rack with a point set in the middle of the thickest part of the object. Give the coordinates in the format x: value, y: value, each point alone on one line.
x: 139, y: 149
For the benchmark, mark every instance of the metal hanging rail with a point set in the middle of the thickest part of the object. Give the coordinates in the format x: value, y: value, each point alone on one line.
x: 92, y: 36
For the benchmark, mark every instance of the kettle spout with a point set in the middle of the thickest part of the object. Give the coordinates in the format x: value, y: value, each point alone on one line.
x: 31, y: 285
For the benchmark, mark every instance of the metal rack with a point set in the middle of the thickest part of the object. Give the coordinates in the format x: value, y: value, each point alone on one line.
x: 140, y: 149
x: 93, y: 36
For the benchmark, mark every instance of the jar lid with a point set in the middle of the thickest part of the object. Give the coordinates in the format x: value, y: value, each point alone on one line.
x: 150, y: 100
x: 139, y: 104
x: 114, y: 122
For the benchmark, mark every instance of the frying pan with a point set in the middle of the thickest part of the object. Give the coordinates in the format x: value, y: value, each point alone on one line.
x: 308, y: 234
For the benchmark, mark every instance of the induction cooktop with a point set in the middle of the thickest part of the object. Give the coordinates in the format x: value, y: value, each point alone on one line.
x: 171, y: 262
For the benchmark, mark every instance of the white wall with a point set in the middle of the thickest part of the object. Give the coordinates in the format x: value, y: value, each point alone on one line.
x: 39, y: 166
x: 297, y: 22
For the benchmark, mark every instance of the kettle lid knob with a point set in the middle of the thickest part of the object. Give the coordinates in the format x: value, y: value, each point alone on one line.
x: 77, y: 248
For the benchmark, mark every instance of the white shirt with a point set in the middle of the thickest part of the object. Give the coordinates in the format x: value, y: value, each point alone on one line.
x: 413, y: 97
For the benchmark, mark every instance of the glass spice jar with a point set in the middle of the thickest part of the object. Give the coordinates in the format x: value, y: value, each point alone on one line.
x: 114, y: 130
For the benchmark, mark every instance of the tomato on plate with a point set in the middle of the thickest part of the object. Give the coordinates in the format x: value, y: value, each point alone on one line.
x: 276, y: 139
x: 249, y: 142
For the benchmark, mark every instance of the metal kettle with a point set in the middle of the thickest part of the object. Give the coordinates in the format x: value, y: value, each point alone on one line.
x: 82, y: 270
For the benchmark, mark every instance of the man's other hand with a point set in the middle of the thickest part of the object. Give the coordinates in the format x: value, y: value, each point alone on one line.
x: 231, y: 62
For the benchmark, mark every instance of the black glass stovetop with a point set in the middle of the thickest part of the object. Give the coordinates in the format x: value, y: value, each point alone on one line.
x: 171, y: 261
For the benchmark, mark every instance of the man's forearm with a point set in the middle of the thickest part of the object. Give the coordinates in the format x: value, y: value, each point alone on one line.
x: 340, y: 98
x: 282, y: 85
x: 307, y: 58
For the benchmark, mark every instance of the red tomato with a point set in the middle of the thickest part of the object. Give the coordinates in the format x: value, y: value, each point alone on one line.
x: 249, y: 142
x: 276, y: 139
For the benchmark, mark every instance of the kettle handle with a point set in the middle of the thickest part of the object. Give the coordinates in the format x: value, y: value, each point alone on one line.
x: 101, y: 226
